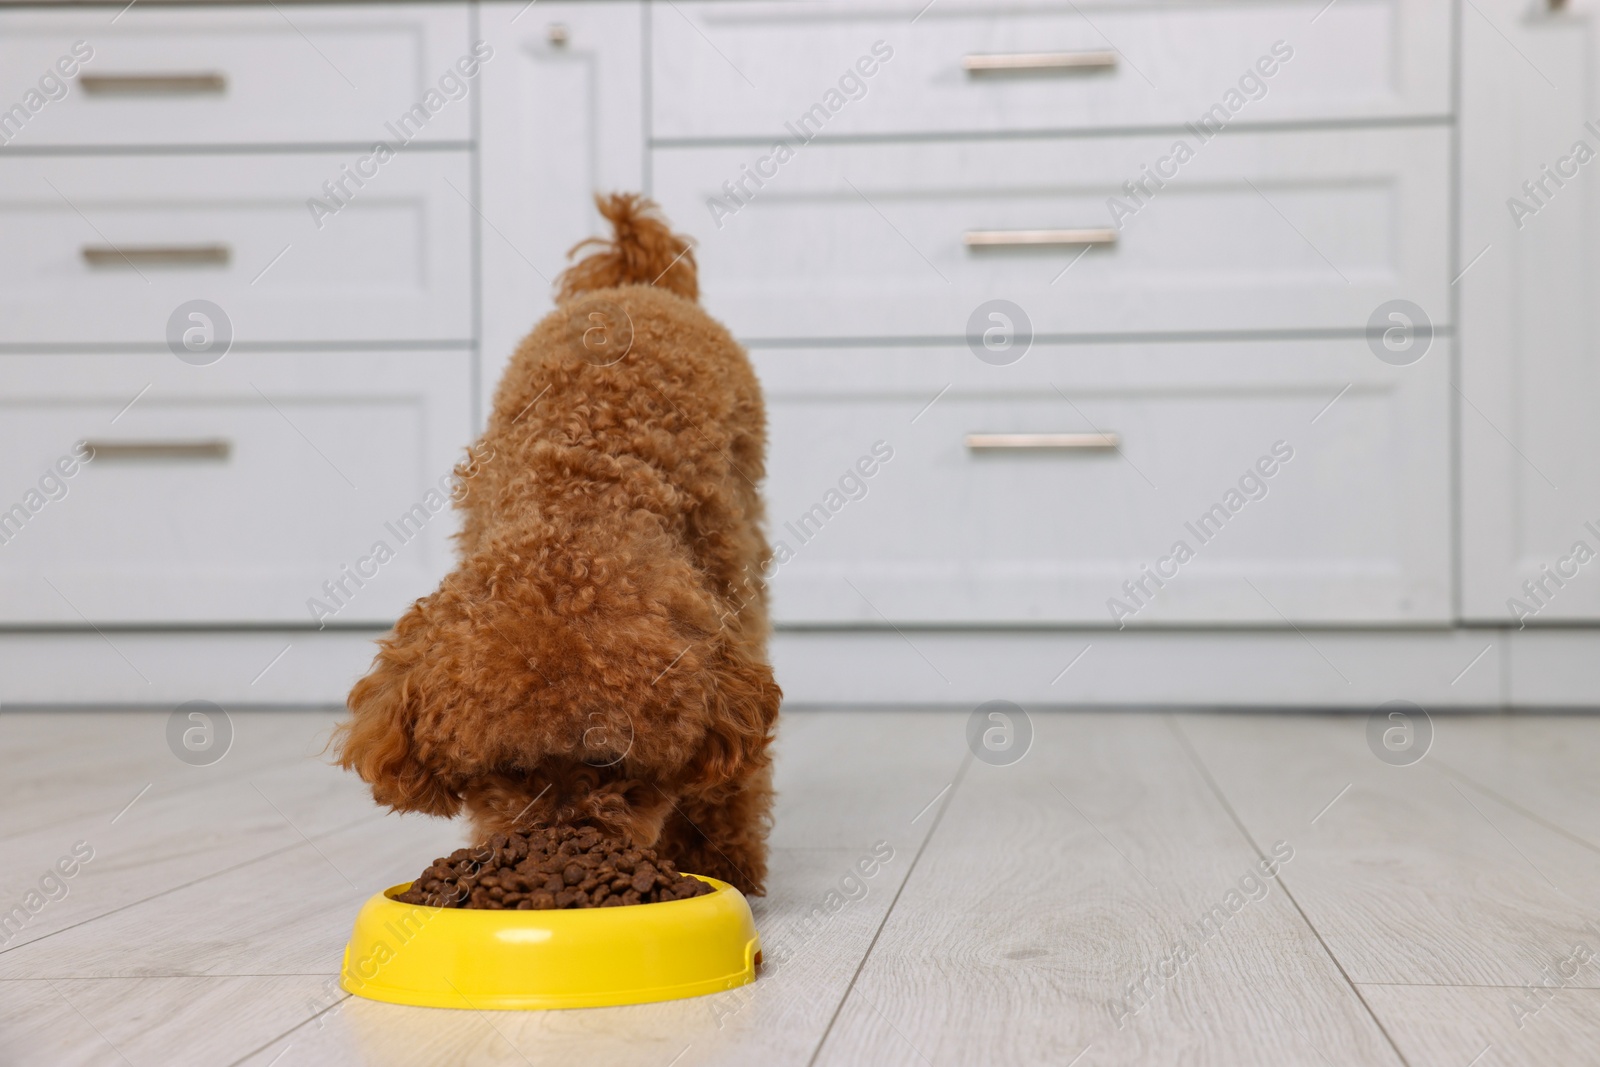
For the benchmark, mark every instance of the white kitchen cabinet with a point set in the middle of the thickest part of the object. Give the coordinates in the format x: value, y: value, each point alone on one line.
x: 1172, y: 351
x: 562, y: 118
x: 882, y: 510
x: 1530, y: 374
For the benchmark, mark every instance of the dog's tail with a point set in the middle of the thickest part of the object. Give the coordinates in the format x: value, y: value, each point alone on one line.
x: 643, y: 250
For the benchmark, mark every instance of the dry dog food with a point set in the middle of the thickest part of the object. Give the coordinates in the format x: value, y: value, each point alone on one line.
x: 560, y: 867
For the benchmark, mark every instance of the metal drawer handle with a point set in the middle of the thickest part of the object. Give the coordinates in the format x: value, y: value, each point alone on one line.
x: 1022, y: 238
x: 218, y: 448
x: 1075, y: 442
x: 156, y: 255
x: 154, y: 84
x: 1015, y: 62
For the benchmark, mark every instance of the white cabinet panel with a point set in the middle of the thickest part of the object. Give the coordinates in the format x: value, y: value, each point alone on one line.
x: 229, y: 493
x: 746, y: 69
x: 1530, y: 373
x: 562, y: 120
x: 1354, y: 528
x: 1284, y: 231
x: 104, y: 249
x: 236, y: 74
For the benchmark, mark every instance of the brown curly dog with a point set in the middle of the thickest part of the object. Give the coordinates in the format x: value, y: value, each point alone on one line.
x: 598, y: 656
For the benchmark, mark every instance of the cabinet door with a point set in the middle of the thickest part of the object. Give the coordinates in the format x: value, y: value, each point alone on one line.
x: 1258, y: 231
x: 234, y: 74
x: 255, y: 490
x: 1530, y: 441
x: 562, y: 118
x: 106, y: 250
x: 1304, y: 480
x: 743, y: 70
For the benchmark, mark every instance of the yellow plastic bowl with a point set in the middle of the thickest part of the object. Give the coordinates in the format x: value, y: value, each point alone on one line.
x: 581, y: 958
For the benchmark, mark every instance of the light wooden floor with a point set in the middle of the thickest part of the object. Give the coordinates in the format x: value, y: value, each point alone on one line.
x: 1020, y: 907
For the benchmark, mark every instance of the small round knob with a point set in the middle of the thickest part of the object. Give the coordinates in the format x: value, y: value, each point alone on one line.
x: 558, y: 35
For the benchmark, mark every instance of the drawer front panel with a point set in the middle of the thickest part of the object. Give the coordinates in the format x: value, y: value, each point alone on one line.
x: 1353, y: 528
x: 236, y: 75
x: 229, y: 493
x: 134, y: 238
x: 1254, y: 232
x: 745, y: 70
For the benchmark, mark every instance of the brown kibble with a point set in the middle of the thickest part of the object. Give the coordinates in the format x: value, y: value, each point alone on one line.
x: 551, y: 867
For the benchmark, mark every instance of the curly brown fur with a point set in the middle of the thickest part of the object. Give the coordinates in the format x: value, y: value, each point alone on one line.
x: 598, y: 655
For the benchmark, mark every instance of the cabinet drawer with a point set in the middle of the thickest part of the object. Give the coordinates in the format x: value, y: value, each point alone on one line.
x: 745, y: 70
x: 228, y: 493
x: 299, y: 74
x: 1255, y: 231
x: 1353, y: 528
x: 106, y: 250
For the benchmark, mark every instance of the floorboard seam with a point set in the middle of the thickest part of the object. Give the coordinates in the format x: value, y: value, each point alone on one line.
x: 265, y: 768
x: 1526, y: 813
x: 953, y: 788
x: 302, y: 1023
x: 203, y: 878
x: 1205, y: 773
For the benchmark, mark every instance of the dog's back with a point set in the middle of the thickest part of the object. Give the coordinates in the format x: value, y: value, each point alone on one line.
x: 631, y: 381
x: 598, y: 654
